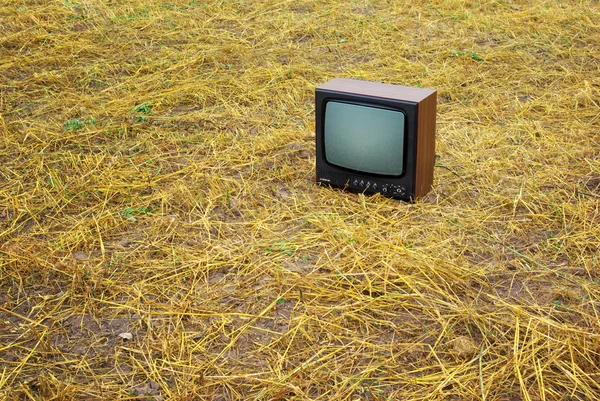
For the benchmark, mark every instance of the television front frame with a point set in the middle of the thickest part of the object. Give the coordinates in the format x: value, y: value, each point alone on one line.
x: 418, y: 106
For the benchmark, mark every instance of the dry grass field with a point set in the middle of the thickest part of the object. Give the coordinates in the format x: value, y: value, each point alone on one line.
x: 162, y: 237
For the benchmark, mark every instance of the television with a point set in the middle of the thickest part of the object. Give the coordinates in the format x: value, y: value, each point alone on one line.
x: 373, y: 137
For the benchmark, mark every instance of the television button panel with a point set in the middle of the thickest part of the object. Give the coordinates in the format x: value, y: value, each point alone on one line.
x: 365, y: 184
x: 384, y: 188
x: 397, y: 190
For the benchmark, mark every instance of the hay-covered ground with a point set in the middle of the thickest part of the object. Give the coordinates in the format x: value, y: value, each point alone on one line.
x: 162, y: 238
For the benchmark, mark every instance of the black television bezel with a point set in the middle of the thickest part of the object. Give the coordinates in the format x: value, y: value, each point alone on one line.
x: 398, y: 187
x: 370, y: 105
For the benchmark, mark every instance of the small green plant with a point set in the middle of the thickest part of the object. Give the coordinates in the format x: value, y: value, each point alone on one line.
x: 138, y: 13
x: 281, y: 247
x: 129, y: 213
x: 473, y: 55
x: 143, y: 108
x: 75, y: 124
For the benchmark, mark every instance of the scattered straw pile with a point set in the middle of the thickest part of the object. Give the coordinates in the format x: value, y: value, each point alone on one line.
x: 161, y: 237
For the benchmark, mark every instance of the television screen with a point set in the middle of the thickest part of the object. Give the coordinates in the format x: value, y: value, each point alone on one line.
x: 364, y: 138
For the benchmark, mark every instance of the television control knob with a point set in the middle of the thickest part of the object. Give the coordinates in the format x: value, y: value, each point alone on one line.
x: 384, y: 190
x: 362, y: 183
x: 355, y: 182
x: 374, y: 185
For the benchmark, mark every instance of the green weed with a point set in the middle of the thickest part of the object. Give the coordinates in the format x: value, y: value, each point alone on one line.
x: 129, y: 213
x: 282, y: 248
x: 143, y: 108
x: 75, y: 124
x: 474, y: 56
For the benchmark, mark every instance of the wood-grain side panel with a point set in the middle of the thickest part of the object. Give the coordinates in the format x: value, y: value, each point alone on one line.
x: 425, y: 145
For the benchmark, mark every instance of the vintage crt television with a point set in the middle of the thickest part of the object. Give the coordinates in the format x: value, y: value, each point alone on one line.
x: 375, y: 138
